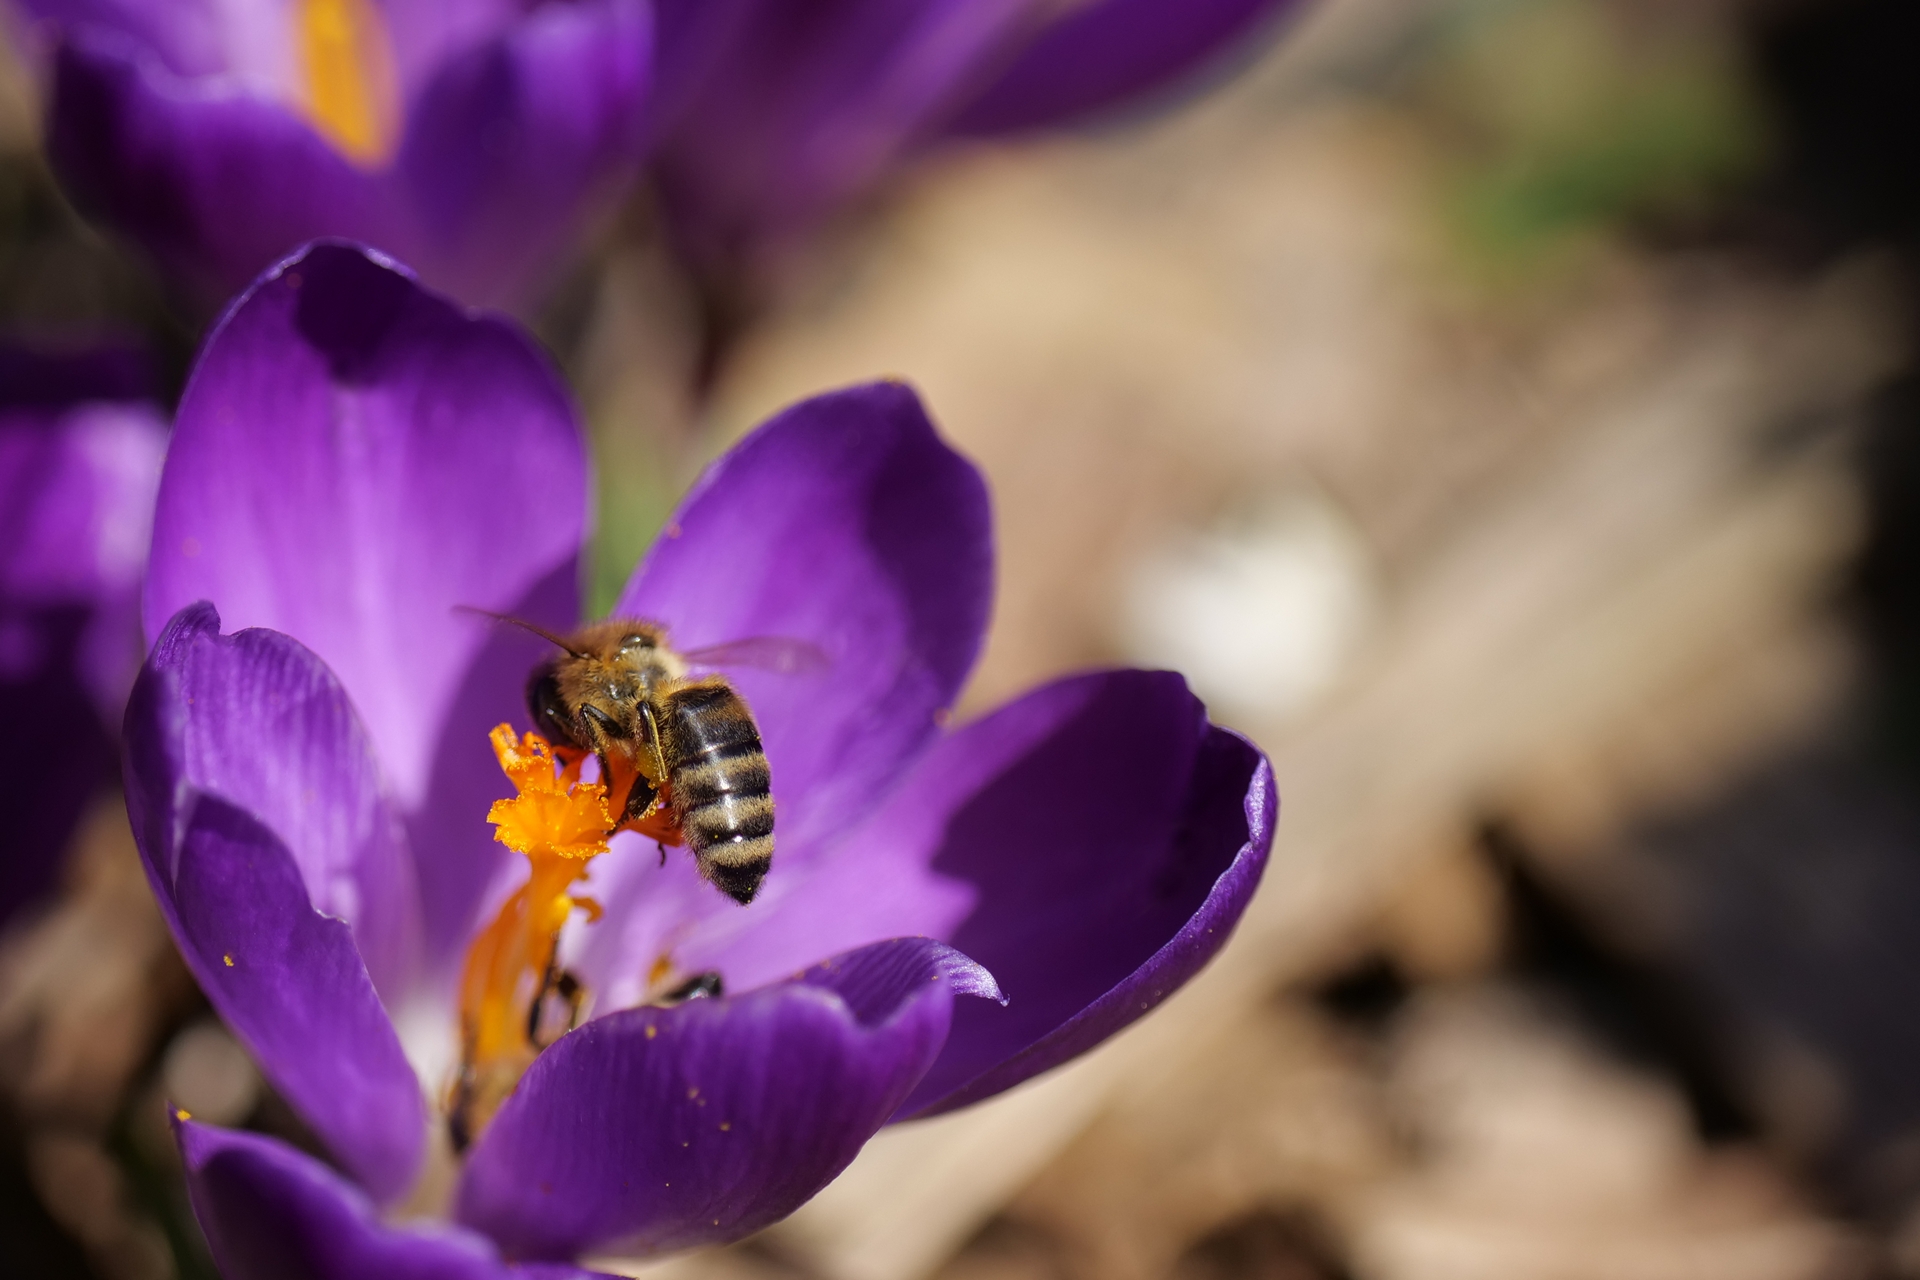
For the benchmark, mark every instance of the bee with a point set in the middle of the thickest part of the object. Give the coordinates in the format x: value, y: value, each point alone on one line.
x: 690, y: 745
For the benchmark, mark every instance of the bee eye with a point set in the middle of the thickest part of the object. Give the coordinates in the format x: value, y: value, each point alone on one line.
x: 548, y: 709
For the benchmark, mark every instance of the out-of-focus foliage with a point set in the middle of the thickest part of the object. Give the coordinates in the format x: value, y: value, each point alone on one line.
x: 56, y: 273
x: 1565, y: 117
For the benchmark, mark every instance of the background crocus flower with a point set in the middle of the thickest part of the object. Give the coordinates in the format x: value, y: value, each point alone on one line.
x: 309, y: 774
x: 80, y: 451
x: 775, y: 114
x: 472, y: 137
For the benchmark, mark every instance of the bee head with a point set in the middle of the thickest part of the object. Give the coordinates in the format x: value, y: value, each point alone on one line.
x: 549, y: 709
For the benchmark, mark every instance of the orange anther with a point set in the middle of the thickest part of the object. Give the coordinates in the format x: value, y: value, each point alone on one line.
x: 352, y: 92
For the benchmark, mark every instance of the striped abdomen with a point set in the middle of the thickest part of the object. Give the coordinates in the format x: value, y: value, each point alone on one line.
x: 722, y: 795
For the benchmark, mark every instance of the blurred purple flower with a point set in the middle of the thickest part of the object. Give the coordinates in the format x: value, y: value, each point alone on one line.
x: 80, y: 451
x: 471, y: 136
x: 776, y: 114
x: 309, y: 796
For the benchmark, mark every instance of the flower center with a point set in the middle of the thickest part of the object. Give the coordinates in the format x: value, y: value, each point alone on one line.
x: 352, y: 96
x: 511, y: 983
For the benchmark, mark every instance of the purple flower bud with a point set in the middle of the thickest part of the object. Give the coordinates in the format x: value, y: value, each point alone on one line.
x: 471, y: 137
x: 776, y: 114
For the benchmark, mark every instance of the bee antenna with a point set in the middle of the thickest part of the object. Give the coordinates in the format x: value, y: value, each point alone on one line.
x: 523, y: 624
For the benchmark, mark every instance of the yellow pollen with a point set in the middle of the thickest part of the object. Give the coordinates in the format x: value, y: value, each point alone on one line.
x: 352, y: 93
x: 559, y: 823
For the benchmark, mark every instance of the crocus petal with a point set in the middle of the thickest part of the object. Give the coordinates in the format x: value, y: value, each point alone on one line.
x: 1103, y: 55
x: 76, y: 508
x: 803, y: 105
x: 1111, y: 859
x: 55, y: 754
x: 1092, y: 844
x: 846, y: 524
x: 77, y: 480
x: 188, y: 37
x: 269, y: 730
x: 516, y: 140
x: 271, y: 1213
x: 235, y: 750
x: 661, y: 1128
x: 214, y: 182
x: 35, y: 379
x: 356, y: 460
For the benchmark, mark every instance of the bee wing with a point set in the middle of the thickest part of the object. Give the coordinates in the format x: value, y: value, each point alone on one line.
x: 780, y: 654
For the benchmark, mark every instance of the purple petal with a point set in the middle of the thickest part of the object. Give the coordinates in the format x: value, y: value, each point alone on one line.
x: 1110, y: 859
x: 269, y: 730
x: 77, y: 485
x: 271, y: 1213
x: 425, y: 33
x: 845, y: 523
x: 215, y: 183
x: 256, y: 44
x: 803, y: 106
x: 188, y: 37
x: 355, y: 460
x: 246, y: 775
x: 58, y: 380
x: 1092, y: 844
x: 1103, y: 55
x: 662, y: 1128
x: 77, y: 481
x: 76, y: 500
x: 516, y: 141
x: 56, y: 754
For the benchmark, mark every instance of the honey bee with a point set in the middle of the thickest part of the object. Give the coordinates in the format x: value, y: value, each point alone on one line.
x: 690, y: 745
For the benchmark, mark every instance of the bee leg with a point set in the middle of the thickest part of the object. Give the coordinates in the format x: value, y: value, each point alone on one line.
x: 640, y: 796
x: 704, y: 986
x: 653, y: 748
x: 661, y: 846
x: 570, y: 990
x: 459, y: 1127
x: 556, y: 982
x: 640, y: 800
x: 539, y: 1003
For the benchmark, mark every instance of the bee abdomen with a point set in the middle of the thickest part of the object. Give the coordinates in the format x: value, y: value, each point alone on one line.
x: 722, y: 792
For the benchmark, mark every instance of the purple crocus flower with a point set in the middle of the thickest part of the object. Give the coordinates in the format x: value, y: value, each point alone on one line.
x: 471, y: 136
x: 308, y: 771
x: 775, y: 114
x: 80, y: 451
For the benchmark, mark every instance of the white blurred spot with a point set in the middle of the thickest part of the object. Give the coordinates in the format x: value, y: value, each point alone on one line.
x: 209, y: 1075
x: 426, y: 1029
x: 1262, y: 613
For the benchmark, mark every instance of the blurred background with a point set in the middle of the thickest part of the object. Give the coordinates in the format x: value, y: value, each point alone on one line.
x: 1502, y: 410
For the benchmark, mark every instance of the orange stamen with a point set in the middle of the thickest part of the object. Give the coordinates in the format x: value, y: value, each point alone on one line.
x: 352, y: 92
x: 560, y: 823
x: 657, y: 822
